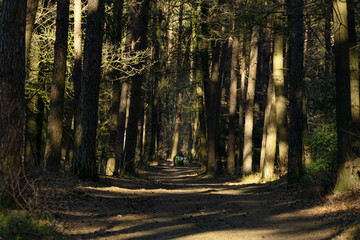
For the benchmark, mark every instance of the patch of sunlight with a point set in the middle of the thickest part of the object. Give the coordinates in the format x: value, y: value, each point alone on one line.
x: 141, y: 191
x: 160, y: 230
x: 236, y: 234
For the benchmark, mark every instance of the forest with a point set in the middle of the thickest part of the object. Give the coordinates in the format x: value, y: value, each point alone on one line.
x: 171, y: 95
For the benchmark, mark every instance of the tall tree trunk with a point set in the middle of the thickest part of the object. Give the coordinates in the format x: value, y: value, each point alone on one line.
x: 233, y: 104
x: 12, y: 81
x: 249, y: 109
x: 242, y: 99
x: 31, y: 9
x: 137, y: 27
x: 179, y: 79
x: 85, y: 166
x: 270, y: 145
x: 265, y: 75
x: 121, y: 126
x: 345, y: 179
x: 56, y: 113
x: 281, y: 110
x: 115, y: 103
x: 296, y: 74
x: 76, y: 76
x: 354, y: 66
x: 211, y: 108
x: 201, y: 78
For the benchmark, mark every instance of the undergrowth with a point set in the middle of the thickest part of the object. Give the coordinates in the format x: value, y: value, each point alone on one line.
x: 16, y: 225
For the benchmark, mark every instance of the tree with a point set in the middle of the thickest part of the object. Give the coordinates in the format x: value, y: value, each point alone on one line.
x: 76, y: 76
x: 12, y: 81
x: 249, y: 108
x: 55, y: 118
x: 111, y: 166
x: 136, y: 31
x: 345, y: 178
x: 296, y: 75
x: 31, y: 10
x: 179, y: 79
x: 281, y: 109
x: 233, y: 103
x: 85, y: 165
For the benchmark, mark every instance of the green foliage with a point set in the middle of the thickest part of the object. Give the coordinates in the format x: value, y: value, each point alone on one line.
x: 323, y: 145
x: 20, y: 226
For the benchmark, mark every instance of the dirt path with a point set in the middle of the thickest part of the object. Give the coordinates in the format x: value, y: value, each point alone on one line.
x: 175, y: 203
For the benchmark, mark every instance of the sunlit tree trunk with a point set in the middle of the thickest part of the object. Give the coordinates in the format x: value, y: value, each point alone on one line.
x: 249, y: 108
x: 12, y: 81
x: 76, y: 76
x: 31, y: 9
x: 281, y: 110
x: 201, y: 77
x: 296, y: 74
x: 115, y: 103
x: 137, y: 27
x: 85, y: 166
x: 56, y: 114
x: 267, y: 170
x: 233, y: 104
x: 179, y: 79
x: 354, y: 66
x: 265, y: 75
x: 242, y: 98
x: 346, y: 178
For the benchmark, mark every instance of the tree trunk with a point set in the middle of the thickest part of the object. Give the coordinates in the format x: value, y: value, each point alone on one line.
x: 354, y: 66
x: 85, y: 166
x: 56, y: 114
x: 31, y: 9
x: 121, y: 127
x: 242, y: 99
x: 212, y: 113
x: 249, y: 109
x: 345, y: 179
x: 281, y: 110
x: 232, y: 105
x: 76, y: 76
x: 296, y: 74
x: 179, y: 79
x: 270, y: 145
x: 115, y: 103
x: 137, y: 27
x: 265, y: 75
x: 12, y: 81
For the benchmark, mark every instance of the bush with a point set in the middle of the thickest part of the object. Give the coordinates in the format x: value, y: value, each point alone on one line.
x: 323, y: 145
x: 21, y: 226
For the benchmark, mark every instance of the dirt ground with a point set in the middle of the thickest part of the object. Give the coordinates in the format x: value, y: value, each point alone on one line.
x: 176, y: 203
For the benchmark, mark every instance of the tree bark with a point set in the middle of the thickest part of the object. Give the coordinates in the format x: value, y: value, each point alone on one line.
x: 281, y: 109
x: 179, y: 79
x: 31, y: 9
x: 267, y: 170
x: 76, y: 76
x: 242, y: 99
x: 296, y: 74
x: 345, y: 180
x: 249, y: 109
x: 234, y: 76
x: 115, y: 103
x: 137, y: 28
x: 56, y: 114
x: 354, y: 66
x: 85, y: 166
x: 12, y: 81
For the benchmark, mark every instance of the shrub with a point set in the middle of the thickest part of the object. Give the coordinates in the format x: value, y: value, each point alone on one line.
x: 323, y: 145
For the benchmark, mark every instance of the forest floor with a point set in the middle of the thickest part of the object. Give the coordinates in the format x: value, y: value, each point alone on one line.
x: 169, y: 202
